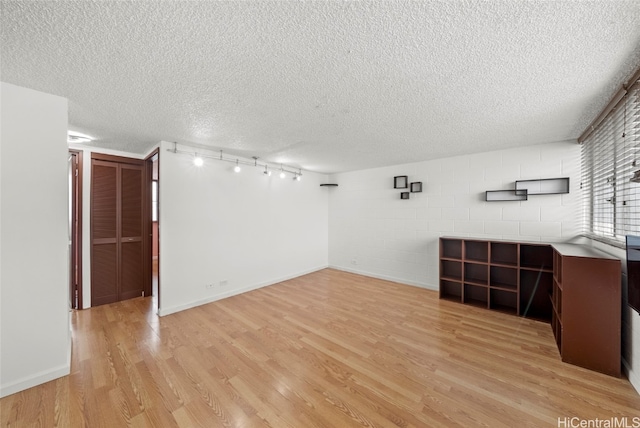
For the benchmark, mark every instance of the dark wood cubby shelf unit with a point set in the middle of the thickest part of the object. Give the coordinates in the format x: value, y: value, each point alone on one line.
x: 574, y: 288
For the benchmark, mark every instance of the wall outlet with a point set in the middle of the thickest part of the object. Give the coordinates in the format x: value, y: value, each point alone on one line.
x: 354, y: 261
x: 209, y: 285
x: 224, y: 283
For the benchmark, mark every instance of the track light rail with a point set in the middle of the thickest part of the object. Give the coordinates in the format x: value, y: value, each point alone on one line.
x: 268, y: 167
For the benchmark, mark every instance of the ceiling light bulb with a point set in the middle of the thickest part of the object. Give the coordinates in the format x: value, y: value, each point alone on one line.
x: 198, y: 161
x: 267, y: 172
x: 237, y: 167
x: 282, y: 174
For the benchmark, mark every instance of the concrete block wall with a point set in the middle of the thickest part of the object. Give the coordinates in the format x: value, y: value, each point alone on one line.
x: 373, y: 232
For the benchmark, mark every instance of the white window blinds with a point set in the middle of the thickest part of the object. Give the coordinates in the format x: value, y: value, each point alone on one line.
x: 610, y: 157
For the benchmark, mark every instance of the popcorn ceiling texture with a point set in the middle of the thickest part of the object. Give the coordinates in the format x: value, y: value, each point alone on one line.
x: 325, y: 86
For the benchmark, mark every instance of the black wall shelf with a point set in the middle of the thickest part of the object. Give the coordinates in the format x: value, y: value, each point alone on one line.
x: 545, y: 186
x: 524, y: 188
x: 505, y: 195
x: 401, y: 182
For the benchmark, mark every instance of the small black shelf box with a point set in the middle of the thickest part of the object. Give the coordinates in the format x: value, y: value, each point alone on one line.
x: 401, y: 182
x: 404, y: 195
x: 545, y: 186
x: 416, y: 187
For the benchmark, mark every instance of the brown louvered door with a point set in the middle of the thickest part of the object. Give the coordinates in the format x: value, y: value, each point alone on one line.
x: 131, y: 260
x: 117, y: 257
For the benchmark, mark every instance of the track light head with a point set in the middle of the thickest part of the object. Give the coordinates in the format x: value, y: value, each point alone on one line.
x: 282, y: 174
x: 237, y: 167
x: 198, y: 161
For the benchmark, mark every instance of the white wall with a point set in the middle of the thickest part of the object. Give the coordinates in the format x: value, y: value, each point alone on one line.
x: 35, y: 337
x: 373, y: 232
x: 244, y: 228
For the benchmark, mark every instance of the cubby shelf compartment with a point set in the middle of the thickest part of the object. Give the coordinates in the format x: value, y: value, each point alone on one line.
x: 545, y: 186
x: 476, y: 273
x: 476, y: 295
x: 451, y: 290
x: 451, y: 270
x: 476, y: 251
x: 505, y: 301
x: 451, y: 249
x: 536, y: 257
x: 503, y: 277
x: 535, y: 288
x: 504, y: 253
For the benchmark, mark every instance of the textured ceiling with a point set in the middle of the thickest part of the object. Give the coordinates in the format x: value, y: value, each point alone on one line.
x: 325, y: 86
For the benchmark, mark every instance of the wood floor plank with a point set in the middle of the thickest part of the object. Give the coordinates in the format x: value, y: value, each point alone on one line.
x: 328, y: 349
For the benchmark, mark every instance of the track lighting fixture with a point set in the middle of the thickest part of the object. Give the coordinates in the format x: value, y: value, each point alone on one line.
x: 198, y: 160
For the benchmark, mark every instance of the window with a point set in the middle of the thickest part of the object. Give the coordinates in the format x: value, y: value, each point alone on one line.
x: 610, y: 157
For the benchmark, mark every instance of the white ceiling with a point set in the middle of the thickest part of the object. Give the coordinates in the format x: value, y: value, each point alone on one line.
x: 325, y: 86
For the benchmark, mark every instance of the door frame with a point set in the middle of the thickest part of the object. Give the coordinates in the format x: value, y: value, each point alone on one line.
x: 148, y: 161
x: 146, y: 223
x: 76, y: 231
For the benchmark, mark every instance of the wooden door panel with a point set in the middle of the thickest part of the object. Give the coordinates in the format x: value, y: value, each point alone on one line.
x: 131, y: 263
x: 104, y: 200
x: 132, y: 201
x: 104, y: 274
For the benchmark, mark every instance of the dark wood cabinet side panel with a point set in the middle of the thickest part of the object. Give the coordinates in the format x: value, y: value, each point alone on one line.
x: 591, y: 315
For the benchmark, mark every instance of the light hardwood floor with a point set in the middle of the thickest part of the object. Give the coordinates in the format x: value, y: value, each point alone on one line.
x: 329, y: 349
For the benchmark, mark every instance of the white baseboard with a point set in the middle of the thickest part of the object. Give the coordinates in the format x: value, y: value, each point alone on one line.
x: 386, y: 277
x: 35, y: 380
x: 173, y: 309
